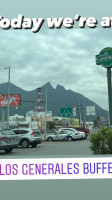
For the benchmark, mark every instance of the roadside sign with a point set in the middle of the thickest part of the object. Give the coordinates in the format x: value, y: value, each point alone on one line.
x: 66, y: 112
x: 76, y: 122
x: 105, y: 58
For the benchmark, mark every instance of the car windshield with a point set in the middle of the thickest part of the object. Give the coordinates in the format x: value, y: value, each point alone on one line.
x: 7, y: 132
x: 57, y: 132
x: 71, y: 130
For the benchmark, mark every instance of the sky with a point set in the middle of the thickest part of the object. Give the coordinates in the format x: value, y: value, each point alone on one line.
x: 58, y: 56
x: 65, y: 57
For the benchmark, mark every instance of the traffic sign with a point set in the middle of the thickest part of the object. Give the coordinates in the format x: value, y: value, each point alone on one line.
x: 66, y: 112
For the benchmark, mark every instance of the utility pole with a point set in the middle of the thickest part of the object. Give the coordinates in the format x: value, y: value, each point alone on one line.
x: 45, y: 115
x: 109, y: 96
x: 79, y: 108
x: 84, y: 113
x: 8, y: 96
x: 3, y: 114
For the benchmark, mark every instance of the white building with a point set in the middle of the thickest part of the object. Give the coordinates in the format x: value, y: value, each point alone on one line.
x: 16, y: 117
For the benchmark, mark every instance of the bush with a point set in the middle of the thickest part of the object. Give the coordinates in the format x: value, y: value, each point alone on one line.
x: 101, y: 142
x: 109, y: 141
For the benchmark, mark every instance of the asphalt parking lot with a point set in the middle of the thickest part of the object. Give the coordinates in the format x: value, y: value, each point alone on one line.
x: 54, y: 148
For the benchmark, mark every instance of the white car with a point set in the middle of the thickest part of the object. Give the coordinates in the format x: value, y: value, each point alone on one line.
x: 64, y: 135
x: 83, y: 134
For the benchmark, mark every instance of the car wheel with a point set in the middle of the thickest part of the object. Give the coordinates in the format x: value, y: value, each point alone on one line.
x: 50, y: 139
x: 25, y: 143
x: 69, y: 139
x: 33, y: 145
x: 8, y: 150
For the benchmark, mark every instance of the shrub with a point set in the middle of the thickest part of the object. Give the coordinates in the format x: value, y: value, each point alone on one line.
x: 109, y: 140
x: 101, y: 142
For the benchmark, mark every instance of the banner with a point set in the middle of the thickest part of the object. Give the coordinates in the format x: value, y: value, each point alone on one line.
x: 56, y: 168
x: 76, y: 122
x: 14, y: 100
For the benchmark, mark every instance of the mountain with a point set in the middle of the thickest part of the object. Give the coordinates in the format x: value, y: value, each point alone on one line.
x: 56, y: 99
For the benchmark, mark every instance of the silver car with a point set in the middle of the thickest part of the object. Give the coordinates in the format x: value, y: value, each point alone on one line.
x: 27, y: 136
x: 8, y: 140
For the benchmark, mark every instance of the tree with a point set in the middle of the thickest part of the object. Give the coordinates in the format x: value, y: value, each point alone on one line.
x: 95, y: 123
x: 51, y: 125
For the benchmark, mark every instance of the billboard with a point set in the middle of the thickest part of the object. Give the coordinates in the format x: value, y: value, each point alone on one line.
x: 14, y: 100
x: 90, y: 110
x: 74, y: 111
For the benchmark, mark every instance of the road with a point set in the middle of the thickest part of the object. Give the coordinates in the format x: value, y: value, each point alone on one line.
x: 51, y: 149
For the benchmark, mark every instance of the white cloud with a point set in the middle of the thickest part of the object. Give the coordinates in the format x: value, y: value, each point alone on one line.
x: 65, y: 57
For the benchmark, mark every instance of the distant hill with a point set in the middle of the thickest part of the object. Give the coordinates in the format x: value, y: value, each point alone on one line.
x: 57, y: 98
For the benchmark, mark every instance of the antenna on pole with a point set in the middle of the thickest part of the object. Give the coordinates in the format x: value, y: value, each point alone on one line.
x: 8, y: 96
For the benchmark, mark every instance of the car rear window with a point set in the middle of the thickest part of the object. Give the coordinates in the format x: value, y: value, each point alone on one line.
x: 37, y: 132
x: 7, y: 132
x: 20, y: 131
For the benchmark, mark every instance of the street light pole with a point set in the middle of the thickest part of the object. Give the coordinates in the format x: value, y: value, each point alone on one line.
x: 45, y: 115
x: 8, y: 95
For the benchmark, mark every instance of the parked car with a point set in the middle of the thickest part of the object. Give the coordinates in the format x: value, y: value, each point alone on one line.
x: 64, y: 135
x: 83, y: 134
x: 83, y: 129
x: 27, y: 137
x: 8, y: 140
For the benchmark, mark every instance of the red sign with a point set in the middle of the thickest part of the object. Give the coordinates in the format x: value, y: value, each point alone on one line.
x: 14, y: 100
